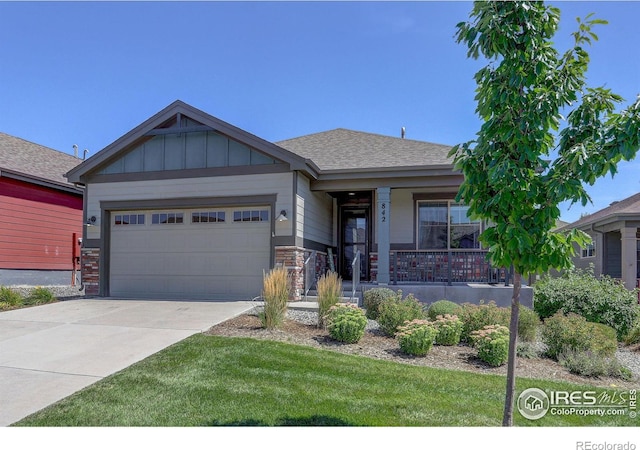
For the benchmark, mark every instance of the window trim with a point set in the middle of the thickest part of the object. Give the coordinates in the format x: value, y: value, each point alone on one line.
x: 590, y: 248
x: 449, y: 203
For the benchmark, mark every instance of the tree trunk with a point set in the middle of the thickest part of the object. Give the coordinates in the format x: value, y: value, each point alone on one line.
x: 507, y: 419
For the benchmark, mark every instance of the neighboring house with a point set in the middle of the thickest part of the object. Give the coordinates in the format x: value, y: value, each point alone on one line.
x: 188, y: 205
x: 40, y: 215
x: 615, y: 231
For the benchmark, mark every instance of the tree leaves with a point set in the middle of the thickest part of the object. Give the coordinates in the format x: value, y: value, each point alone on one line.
x: 509, y: 179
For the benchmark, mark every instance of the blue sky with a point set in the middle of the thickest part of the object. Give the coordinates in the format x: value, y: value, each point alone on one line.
x: 86, y: 73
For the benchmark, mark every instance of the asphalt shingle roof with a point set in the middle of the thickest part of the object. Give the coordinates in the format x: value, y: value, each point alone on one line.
x: 34, y: 160
x: 630, y: 205
x: 347, y: 149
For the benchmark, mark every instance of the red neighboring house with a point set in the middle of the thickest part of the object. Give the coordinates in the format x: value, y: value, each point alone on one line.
x: 40, y: 214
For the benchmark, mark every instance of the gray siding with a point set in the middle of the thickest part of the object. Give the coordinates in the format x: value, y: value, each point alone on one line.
x: 314, y: 214
x: 222, y: 186
x: 584, y: 263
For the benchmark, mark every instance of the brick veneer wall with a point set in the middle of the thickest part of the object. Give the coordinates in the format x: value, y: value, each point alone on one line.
x: 373, y: 266
x: 293, y: 259
x: 90, y: 265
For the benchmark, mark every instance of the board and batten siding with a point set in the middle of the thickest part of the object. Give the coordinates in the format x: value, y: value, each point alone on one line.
x: 37, y: 226
x: 314, y: 214
x: 221, y: 186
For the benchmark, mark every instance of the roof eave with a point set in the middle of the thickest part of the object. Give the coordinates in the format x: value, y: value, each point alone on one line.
x: 386, y: 172
x: 40, y: 181
x: 603, y: 221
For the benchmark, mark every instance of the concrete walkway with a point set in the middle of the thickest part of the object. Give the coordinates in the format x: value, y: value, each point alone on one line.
x: 49, y: 352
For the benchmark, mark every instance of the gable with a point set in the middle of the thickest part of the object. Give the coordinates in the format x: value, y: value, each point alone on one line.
x: 182, y: 140
x: 183, y: 143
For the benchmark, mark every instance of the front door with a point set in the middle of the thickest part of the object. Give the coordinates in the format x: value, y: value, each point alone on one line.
x: 354, y: 238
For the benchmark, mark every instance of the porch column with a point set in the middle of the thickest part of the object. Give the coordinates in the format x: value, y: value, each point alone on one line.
x: 383, y: 216
x: 629, y: 257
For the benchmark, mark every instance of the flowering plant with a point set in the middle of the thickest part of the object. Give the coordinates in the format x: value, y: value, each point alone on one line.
x: 346, y: 322
x: 416, y: 337
x: 449, y: 328
x: 492, y: 342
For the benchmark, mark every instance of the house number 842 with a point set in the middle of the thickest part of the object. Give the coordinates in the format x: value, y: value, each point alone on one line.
x: 383, y: 212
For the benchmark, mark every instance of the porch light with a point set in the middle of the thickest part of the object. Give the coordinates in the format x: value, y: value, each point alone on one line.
x: 282, y: 217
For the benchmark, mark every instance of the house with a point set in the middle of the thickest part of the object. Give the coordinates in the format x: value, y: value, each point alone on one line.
x: 40, y: 215
x: 188, y: 205
x: 615, y: 247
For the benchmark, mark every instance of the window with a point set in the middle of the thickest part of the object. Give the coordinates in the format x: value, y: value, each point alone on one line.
x: 446, y: 225
x: 167, y: 218
x: 129, y: 219
x: 589, y: 251
x: 208, y: 217
x: 251, y: 216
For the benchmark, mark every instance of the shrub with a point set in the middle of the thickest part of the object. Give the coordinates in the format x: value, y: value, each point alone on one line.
x: 449, y: 329
x: 592, y: 365
x: 475, y: 317
x: 602, y: 300
x: 633, y: 336
x: 603, y: 339
x: 10, y: 297
x: 527, y: 350
x: 528, y: 324
x: 572, y: 332
x: 346, y: 323
x: 492, y: 342
x: 40, y: 296
x: 394, y: 312
x: 329, y: 293
x: 416, y: 337
x: 373, y: 298
x: 275, y: 293
x: 442, y: 307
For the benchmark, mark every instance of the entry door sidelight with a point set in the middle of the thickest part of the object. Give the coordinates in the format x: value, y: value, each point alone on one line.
x: 355, y: 236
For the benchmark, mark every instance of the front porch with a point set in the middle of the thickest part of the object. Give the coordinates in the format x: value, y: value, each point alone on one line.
x: 457, y: 275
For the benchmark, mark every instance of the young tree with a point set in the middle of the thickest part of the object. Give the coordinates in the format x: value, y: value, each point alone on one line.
x: 519, y: 168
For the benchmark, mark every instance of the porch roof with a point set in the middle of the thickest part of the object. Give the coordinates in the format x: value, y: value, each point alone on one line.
x: 629, y: 208
x: 342, y: 149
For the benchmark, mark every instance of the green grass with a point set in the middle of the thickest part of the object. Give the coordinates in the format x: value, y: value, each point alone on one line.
x: 213, y: 381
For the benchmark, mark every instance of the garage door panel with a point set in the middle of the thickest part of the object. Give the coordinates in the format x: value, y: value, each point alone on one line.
x: 214, y: 261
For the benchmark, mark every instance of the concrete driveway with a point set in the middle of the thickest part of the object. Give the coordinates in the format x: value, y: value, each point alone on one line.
x: 49, y: 352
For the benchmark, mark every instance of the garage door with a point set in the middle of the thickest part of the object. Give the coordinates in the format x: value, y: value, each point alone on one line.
x: 211, y: 254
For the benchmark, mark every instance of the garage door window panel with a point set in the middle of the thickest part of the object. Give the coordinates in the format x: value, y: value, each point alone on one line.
x: 129, y: 219
x: 167, y: 218
x: 251, y: 216
x: 208, y: 217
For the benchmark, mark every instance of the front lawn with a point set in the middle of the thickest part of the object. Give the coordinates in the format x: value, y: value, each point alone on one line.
x: 212, y: 381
